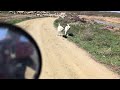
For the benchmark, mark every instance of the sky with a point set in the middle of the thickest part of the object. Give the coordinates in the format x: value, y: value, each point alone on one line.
x: 23, y: 39
x: 111, y: 11
x: 116, y: 11
x: 3, y: 32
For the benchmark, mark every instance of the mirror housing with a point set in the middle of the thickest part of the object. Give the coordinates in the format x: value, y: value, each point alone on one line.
x: 20, y: 55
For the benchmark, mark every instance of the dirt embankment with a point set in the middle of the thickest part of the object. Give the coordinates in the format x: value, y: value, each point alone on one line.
x: 107, y: 19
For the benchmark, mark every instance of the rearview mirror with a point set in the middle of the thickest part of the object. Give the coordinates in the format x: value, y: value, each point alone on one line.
x: 20, y: 57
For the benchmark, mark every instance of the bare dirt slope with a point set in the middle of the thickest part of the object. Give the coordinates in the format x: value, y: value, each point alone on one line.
x: 107, y: 19
x: 61, y: 58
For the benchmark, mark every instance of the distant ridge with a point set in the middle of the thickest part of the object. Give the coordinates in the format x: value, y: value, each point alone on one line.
x: 98, y: 13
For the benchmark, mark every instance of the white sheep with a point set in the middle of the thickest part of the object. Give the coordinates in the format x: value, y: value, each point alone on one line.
x: 67, y: 28
x: 60, y: 28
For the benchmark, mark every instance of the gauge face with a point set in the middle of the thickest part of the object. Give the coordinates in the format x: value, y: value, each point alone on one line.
x: 20, y: 57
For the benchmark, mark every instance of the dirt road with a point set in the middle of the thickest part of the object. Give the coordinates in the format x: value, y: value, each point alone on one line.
x: 61, y: 58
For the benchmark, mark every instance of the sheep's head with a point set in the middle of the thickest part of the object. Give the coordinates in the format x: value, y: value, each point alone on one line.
x: 68, y: 25
x: 59, y: 24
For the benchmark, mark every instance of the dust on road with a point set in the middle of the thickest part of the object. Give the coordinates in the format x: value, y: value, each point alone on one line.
x: 61, y: 58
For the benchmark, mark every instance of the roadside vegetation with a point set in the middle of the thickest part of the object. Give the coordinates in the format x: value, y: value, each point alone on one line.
x: 103, y: 45
x: 15, y: 20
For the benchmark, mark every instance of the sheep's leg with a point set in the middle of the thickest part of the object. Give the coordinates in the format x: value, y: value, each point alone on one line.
x: 66, y: 32
x: 59, y: 33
